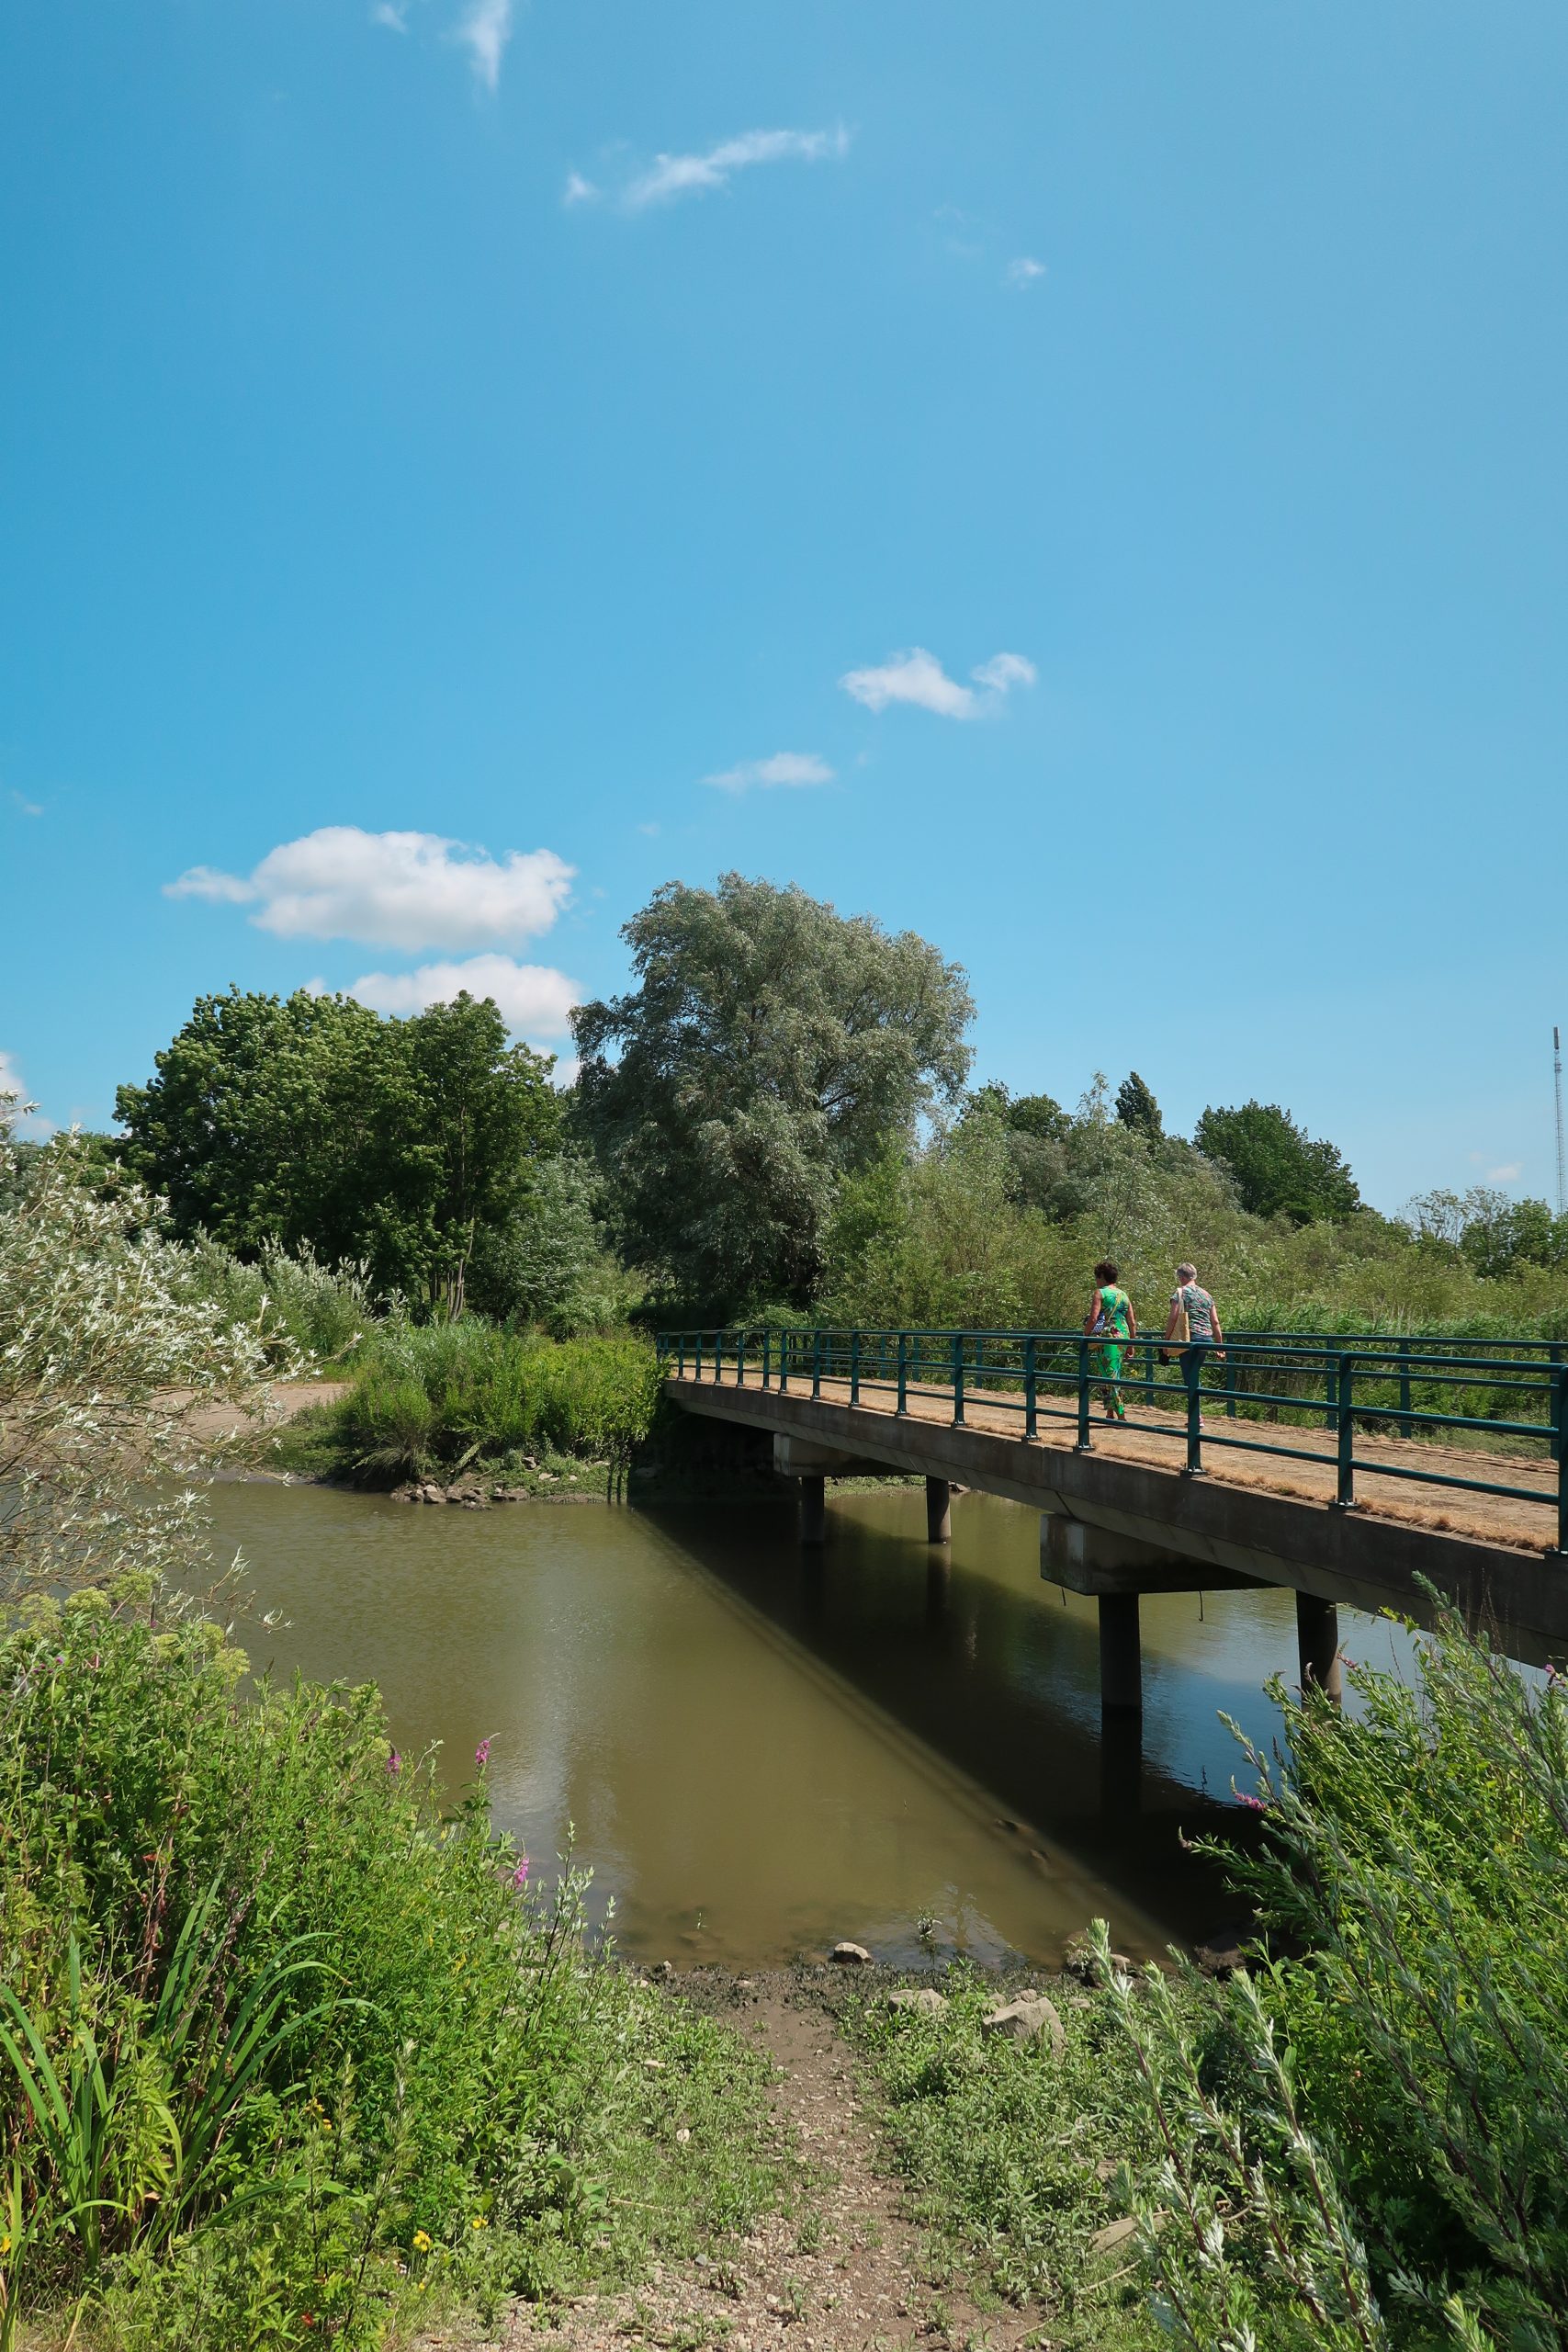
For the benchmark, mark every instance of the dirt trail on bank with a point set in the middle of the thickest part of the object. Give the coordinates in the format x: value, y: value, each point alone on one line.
x: 843, y: 2274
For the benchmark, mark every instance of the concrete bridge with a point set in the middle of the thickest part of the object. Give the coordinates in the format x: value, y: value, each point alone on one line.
x: 1173, y: 1501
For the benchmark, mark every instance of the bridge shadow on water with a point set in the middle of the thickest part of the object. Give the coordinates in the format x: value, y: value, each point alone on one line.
x: 966, y: 1650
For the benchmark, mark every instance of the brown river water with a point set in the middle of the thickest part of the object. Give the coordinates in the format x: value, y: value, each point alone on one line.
x: 757, y: 1750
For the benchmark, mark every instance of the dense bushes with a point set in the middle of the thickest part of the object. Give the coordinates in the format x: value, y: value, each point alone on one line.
x: 442, y: 2089
x: 989, y: 1227
x: 446, y: 1395
x: 1359, y: 2146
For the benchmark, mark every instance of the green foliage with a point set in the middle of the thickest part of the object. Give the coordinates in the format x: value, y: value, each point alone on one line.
x: 1486, y: 1230
x: 1004, y: 2145
x: 297, y: 1307
x: 1136, y: 1108
x: 963, y: 1233
x: 446, y: 1395
x: 548, y: 1265
x: 318, y: 2039
x: 1279, y: 1169
x: 770, y: 1046
x: 311, y: 1120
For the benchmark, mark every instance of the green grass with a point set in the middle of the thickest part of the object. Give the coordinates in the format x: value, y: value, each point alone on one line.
x: 441, y: 1398
x: 451, y: 2097
x: 999, y: 2142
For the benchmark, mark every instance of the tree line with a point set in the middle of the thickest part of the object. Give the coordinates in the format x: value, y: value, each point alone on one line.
x: 775, y: 1113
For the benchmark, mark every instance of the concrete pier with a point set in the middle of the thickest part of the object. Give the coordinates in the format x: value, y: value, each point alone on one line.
x: 1121, y: 1656
x: 939, y: 1511
x: 1317, y: 1640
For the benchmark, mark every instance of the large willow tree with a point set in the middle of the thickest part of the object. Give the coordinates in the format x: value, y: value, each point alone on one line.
x: 771, y: 1047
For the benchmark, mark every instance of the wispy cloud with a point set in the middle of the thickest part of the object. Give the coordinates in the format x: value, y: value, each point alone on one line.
x: 390, y: 889
x: 25, y: 808
x: 25, y: 1123
x: 393, y: 14
x: 782, y: 768
x: 533, y: 1000
x: 672, y: 176
x: 651, y: 828
x: 1024, y: 270
x: 918, y: 677
x: 484, y: 29
x: 1507, y: 1174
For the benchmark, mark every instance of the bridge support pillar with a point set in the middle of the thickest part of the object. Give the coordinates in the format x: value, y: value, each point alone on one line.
x: 939, y: 1511
x: 1317, y: 1641
x: 1121, y: 1656
x: 814, y: 1510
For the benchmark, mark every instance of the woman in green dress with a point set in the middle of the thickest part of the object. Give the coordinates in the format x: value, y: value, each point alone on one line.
x: 1112, y: 1325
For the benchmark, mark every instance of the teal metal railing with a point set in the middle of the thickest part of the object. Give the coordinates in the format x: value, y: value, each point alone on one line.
x: 1508, y: 1388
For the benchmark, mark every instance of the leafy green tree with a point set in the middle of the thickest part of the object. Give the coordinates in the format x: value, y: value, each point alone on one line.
x: 1278, y: 1168
x: 1136, y: 1108
x: 1496, y: 1236
x: 770, y: 1046
x: 311, y: 1120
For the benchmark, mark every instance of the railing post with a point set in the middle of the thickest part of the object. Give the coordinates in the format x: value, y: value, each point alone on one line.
x: 1031, y: 1389
x: 817, y: 1363
x: 854, y: 1367
x: 718, y: 1356
x: 682, y: 1345
x: 1330, y: 1384
x: 1086, y: 1444
x: 903, y: 1371
x: 785, y: 1335
x: 766, y: 1353
x: 740, y: 1357
x: 1560, y: 1447
x: 698, y: 1367
x: 1230, y: 1387
x: 1344, y: 1500
x: 1404, y: 1387
x: 1192, y: 1368
x: 957, y: 1377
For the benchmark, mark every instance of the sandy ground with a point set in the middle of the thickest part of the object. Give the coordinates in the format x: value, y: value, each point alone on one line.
x: 285, y: 1398
x: 854, y: 2286
x: 1160, y: 1438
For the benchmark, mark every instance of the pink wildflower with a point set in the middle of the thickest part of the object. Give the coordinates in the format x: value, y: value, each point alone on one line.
x: 1253, y: 1805
x: 481, y: 1753
x: 520, y: 1875
x: 394, y: 1763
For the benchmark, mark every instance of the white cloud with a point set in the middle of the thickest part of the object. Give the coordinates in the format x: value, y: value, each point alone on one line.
x: 393, y: 14
x: 579, y: 190
x: 484, y: 31
x: 392, y: 889
x: 669, y: 177
x: 1024, y: 270
x: 30, y: 1124
x: 784, y: 767
x: 1004, y: 671
x: 25, y: 807
x: 1507, y: 1174
x: 918, y: 677
x: 651, y: 828
x: 532, y: 998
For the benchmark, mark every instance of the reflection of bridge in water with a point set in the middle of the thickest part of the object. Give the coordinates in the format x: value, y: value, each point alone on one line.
x: 1213, y: 1480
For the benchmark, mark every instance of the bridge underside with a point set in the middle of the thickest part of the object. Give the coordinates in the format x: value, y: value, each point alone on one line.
x: 1115, y: 1527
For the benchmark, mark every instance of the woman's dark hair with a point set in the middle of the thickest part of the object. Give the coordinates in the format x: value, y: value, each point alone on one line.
x: 1105, y: 1271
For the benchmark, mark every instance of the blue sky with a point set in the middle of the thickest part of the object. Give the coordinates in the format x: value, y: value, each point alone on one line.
x: 1088, y: 479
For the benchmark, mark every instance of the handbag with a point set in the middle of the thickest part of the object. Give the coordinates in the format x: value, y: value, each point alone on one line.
x: 1181, y: 1332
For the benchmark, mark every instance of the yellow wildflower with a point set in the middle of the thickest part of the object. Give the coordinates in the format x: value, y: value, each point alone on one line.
x: 422, y: 2241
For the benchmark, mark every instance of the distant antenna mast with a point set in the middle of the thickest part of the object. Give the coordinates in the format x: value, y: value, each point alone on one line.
x: 1557, y: 1089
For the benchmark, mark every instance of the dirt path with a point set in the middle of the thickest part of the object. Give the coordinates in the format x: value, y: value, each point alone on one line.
x: 841, y: 2275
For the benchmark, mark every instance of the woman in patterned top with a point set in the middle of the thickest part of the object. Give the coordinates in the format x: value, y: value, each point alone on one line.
x: 1203, y: 1327
x: 1112, y: 1324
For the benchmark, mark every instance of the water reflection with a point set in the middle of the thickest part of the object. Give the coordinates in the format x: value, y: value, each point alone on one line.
x: 762, y: 1748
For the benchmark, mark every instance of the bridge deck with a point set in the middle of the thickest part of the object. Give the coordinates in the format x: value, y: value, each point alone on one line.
x: 1158, y: 1439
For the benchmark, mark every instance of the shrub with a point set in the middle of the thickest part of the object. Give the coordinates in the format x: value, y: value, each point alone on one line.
x: 441, y: 2084
x: 296, y: 1305
x: 444, y: 1394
